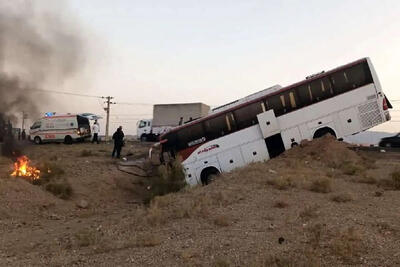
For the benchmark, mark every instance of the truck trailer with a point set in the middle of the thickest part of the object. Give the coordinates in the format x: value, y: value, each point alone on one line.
x: 168, y: 116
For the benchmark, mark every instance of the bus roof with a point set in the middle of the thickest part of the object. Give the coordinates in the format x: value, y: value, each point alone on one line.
x: 307, y: 80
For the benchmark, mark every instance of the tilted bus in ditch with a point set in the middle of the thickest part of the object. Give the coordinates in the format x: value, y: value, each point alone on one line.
x: 342, y: 102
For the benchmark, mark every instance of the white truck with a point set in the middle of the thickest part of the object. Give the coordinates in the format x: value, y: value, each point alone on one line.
x: 168, y: 116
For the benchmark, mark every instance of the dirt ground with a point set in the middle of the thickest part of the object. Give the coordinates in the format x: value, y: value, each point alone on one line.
x: 319, y: 204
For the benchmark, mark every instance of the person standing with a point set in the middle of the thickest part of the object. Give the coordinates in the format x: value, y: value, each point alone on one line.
x: 96, y: 130
x: 118, y: 138
x: 23, y: 134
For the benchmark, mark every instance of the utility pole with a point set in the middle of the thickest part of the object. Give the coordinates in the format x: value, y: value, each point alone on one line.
x: 24, y: 116
x: 107, y: 109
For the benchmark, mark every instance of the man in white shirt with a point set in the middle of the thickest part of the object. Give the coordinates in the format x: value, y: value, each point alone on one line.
x: 95, y: 130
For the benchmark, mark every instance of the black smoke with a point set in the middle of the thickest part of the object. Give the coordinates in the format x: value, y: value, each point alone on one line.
x: 40, y: 49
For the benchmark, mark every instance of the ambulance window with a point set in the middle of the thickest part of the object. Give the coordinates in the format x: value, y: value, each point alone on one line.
x: 36, y: 125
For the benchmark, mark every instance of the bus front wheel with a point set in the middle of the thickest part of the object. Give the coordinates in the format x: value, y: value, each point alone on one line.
x: 208, y: 175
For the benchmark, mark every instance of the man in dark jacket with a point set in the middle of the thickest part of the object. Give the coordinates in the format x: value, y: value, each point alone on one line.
x: 118, y: 138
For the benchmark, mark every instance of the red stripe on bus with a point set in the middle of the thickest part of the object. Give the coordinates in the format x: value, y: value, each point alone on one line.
x: 185, y: 153
x: 286, y: 88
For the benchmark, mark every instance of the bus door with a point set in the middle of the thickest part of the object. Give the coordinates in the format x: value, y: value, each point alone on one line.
x: 271, y: 132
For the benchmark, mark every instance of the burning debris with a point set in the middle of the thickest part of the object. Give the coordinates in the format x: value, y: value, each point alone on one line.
x: 23, y: 169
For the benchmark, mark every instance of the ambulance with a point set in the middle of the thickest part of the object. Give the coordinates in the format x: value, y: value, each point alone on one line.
x: 67, y: 128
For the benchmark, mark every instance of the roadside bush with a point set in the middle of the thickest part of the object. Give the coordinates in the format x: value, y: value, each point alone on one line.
x: 49, y: 172
x: 396, y: 180
x: 85, y: 238
x: 281, y: 204
x: 51, y: 179
x: 321, y: 185
x: 61, y: 189
x: 393, y: 182
x: 170, y: 178
x: 281, y: 183
x: 348, y: 245
x: 86, y: 153
x: 350, y: 168
x: 342, y: 198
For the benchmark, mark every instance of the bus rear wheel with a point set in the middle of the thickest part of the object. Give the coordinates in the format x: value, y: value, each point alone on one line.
x: 68, y: 140
x: 208, y: 175
x: 324, y: 131
x: 37, y: 140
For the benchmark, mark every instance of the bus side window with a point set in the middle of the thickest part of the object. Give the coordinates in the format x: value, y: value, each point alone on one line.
x: 275, y: 103
x: 321, y: 89
x: 230, y: 122
x: 340, y: 82
x: 217, y: 127
x: 304, y: 95
x: 247, y: 115
x: 189, y: 134
x: 359, y: 75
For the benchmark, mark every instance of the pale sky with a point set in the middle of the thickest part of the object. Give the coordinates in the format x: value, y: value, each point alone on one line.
x: 218, y: 51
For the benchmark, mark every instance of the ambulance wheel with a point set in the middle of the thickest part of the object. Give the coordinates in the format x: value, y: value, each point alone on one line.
x: 37, y: 140
x: 68, y: 140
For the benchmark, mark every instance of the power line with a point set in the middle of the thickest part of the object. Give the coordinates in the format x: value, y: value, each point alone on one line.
x: 134, y: 104
x: 64, y: 93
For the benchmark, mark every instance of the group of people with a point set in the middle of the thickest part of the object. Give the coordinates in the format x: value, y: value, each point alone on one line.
x: 118, y: 138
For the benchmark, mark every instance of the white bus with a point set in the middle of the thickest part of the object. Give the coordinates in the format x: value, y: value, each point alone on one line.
x: 342, y: 102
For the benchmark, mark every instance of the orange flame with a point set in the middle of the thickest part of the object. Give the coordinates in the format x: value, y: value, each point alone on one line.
x: 23, y: 169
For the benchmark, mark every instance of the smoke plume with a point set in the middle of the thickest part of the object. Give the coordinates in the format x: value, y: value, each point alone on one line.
x: 39, y: 49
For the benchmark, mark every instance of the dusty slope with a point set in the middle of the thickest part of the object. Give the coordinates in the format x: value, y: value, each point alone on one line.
x: 318, y: 204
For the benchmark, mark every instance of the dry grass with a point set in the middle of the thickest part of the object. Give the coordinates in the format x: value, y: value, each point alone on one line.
x: 155, y: 216
x: 342, y: 197
x: 280, y: 204
x: 61, y: 189
x: 85, y: 238
x: 321, y: 185
x: 51, y: 178
x: 148, y: 240
x: 309, y: 212
x: 281, y: 183
x: 86, y: 153
x: 392, y: 183
x: 314, y: 234
x: 365, y: 179
x: 396, y: 180
x: 350, y: 168
x: 287, y: 260
x: 221, y: 263
x: 222, y: 220
x: 348, y: 245
x: 170, y: 179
